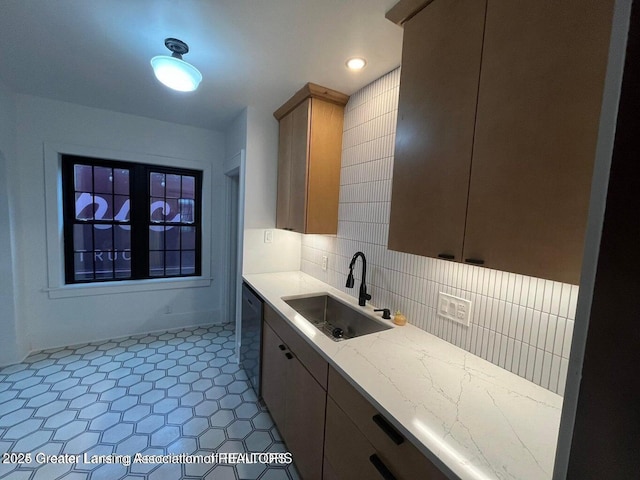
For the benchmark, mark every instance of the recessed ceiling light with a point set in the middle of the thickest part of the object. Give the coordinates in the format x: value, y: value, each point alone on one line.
x: 356, y: 63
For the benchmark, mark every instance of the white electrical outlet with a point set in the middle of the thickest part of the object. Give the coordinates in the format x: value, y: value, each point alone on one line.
x: 454, y: 308
x: 325, y: 260
x: 268, y: 236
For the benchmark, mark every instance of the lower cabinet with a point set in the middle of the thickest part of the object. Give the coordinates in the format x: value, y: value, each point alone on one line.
x: 347, y: 452
x: 332, y: 431
x: 274, y: 375
x: 362, y: 443
x: 295, y: 399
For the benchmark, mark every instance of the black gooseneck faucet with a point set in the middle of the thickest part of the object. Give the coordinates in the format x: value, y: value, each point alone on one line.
x: 364, y: 296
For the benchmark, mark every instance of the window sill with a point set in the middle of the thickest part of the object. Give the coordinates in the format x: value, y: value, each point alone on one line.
x: 126, y: 286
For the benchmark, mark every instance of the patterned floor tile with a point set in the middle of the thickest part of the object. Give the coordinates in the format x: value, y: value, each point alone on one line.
x: 171, y: 393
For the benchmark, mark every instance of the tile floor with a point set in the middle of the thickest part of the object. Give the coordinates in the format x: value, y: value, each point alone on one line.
x: 171, y: 393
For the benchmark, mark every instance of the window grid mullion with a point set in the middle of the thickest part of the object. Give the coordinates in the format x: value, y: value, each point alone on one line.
x: 113, y: 225
x: 164, y: 207
x: 93, y: 217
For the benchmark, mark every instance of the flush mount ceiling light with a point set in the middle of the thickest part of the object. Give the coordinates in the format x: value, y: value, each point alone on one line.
x: 174, y: 72
x: 356, y: 63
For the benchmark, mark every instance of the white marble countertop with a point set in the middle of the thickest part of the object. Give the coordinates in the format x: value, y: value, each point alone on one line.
x: 481, y: 421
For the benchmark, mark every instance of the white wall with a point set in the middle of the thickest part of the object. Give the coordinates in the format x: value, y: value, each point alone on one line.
x: 235, y: 139
x: 283, y: 254
x: 63, y: 321
x: 262, y: 169
x: 11, y: 337
x: 522, y: 324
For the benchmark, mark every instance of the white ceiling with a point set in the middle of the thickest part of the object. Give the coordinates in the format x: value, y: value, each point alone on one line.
x: 250, y: 52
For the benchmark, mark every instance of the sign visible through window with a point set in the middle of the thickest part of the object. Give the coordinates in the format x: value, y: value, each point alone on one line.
x: 129, y: 220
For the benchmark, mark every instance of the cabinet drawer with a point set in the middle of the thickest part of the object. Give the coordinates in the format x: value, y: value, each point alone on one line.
x: 311, y: 359
x: 327, y: 471
x: 346, y: 450
x: 398, y: 453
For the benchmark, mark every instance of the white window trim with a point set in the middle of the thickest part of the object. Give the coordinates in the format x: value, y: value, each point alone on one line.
x: 54, y: 220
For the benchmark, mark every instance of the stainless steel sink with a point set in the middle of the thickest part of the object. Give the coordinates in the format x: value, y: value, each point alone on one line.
x: 335, y: 319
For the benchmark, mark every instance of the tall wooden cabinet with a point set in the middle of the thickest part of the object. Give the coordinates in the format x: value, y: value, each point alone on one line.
x: 499, y: 176
x: 310, y: 150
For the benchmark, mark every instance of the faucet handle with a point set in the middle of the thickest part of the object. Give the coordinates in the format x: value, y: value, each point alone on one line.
x: 386, y: 313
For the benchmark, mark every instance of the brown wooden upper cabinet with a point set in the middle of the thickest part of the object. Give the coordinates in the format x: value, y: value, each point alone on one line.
x: 497, y: 127
x: 309, y: 153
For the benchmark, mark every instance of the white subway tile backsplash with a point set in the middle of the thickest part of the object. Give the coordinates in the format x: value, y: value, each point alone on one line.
x: 573, y: 302
x: 564, y: 368
x: 522, y: 363
x: 543, y: 326
x: 522, y: 324
x: 568, y: 334
x: 537, y: 359
x: 555, y: 372
x: 546, y: 369
x: 558, y: 340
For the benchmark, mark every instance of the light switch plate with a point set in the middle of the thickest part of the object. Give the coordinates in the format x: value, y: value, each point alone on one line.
x: 454, y: 308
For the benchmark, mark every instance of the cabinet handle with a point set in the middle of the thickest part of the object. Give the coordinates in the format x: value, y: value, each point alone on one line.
x: 387, y: 428
x: 381, y: 467
x: 282, y: 347
x: 288, y: 355
x: 446, y: 256
x: 474, y: 261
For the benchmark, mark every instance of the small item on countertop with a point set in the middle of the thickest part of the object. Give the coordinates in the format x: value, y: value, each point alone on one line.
x: 399, y: 319
x: 386, y: 313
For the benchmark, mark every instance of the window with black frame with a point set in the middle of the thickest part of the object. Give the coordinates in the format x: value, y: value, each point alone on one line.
x: 127, y: 221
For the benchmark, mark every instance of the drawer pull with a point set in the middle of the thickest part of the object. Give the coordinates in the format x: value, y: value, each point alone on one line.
x: 474, y: 261
x: 288, y: 355
x: 381, y: 467
x: 282, y: 347
x: 446, y: 256
x: 387, y: 428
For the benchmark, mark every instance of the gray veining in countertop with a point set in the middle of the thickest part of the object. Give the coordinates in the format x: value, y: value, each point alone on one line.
x: 481, y: 421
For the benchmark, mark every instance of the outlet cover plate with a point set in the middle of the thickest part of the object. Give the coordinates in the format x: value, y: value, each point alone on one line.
x: 325, y: 260
x: 454, y: 308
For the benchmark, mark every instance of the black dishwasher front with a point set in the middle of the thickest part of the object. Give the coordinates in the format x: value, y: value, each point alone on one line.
x: 251, y: 335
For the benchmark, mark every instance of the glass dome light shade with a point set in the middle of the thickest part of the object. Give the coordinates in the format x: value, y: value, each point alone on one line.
x: 175, y: 73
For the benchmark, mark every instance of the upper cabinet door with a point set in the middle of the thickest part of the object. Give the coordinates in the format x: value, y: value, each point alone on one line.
x: 284, y: 171
x: 293, y: 164
x: 437, y: 105
x: 543, y: 70
x: 325, y: 154
x: 299, y: 167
